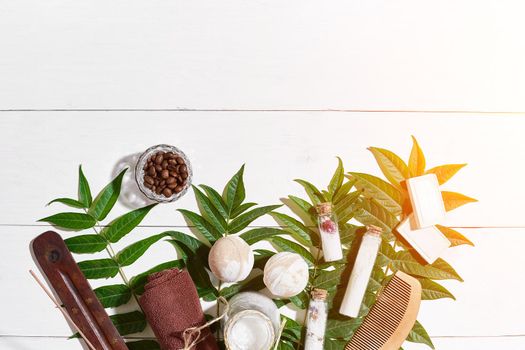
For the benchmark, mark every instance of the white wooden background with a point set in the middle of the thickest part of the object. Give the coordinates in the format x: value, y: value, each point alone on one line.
x: 284, y: 86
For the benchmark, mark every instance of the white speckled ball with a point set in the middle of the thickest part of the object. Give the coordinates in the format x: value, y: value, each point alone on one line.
x: 286, y: 274
x: 231, y: 259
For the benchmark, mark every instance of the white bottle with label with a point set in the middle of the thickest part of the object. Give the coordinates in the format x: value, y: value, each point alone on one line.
x: 364, y: 263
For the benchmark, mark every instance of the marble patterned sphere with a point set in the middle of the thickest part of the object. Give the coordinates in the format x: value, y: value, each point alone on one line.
x: 286, y: 274
x: 231, y: 259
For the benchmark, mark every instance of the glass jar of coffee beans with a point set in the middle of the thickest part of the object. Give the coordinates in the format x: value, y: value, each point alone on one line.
x: 163, y: 173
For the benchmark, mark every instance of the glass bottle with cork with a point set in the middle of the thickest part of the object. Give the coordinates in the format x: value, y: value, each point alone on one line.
x: 316, y: 320
x: 329, y: 232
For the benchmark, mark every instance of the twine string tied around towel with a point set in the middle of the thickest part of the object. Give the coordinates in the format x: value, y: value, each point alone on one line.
x: 191, y: 336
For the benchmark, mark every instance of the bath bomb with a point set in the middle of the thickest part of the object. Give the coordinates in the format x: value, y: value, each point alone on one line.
x: 231, y: 259
x: 286, y: 274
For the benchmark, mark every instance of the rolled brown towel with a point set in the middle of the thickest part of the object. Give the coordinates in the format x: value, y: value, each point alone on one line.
x: 171, y: 304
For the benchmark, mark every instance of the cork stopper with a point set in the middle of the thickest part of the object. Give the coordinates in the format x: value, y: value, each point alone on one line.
x: 324, y: 208
x: 374, y: 230
x: 319, y: 294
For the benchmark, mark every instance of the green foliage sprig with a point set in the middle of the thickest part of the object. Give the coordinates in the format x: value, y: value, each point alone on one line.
x: 358, y: 199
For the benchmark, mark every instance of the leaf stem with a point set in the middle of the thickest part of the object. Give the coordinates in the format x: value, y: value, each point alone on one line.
x: 111, y: 252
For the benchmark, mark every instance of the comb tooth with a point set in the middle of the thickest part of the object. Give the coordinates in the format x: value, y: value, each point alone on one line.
x: 384, y: 317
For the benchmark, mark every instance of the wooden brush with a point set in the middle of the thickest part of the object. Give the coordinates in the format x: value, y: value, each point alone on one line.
x: 72, y: 289
x: 391, y: 318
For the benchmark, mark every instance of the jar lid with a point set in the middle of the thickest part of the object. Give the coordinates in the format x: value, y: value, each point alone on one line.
x: 324, y: 208
x: 374, y: 230
x: 319, y: 294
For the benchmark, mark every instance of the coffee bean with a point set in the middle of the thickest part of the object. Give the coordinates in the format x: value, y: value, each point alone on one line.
x: 148, y: 185
x: 172, y: 186
x: 180, y: 160
x: 173, y: 173
x: 151, y: 171
x: 149, y: 179
x: 167, y: 192
x: 172, y: 162
x: 158, y: 168
x: 184, y: 175
x: 183, y: 168
x: 165, y: 174
x: 178, y: 189
x: 170, y: 180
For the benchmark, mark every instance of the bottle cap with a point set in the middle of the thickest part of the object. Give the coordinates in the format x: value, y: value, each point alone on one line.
x: 324, y: 208
x: 374, y: 230
x: 319, y: 294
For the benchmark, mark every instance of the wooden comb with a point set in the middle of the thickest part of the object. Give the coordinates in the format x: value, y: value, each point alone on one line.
x: 391, y: 318
x: 74, y: 292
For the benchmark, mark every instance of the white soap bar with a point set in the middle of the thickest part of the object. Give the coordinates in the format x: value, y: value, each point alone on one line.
x: 426, y: 199
x: 429, y: 242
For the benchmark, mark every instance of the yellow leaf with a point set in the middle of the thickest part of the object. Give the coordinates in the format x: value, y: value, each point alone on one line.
x: 392, y: 166
x: 445, y: 172
x: 454, y: 236
x: 416, y: 162
x: 454, y: 200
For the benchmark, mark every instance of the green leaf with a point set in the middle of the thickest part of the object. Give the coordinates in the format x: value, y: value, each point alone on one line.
x: 381, y: 191
x: 241, y: 209
x: 445, y: 172
x: 454, y: 236
x: 106, y: 199
x: 303, y: 205
x: 313, y: 192
x: 328, y: 279
x: 261, y: 256
x: 293, y: 329
x: 392, y: 166
x: 372, y: 213
x: 129, y: 323
x: 418, y: 334
x: 289, y: 246
x: 234, y: 191
x: 254, y: 284
x: 196, y: 266
x: 67, y: 201
x: 84, y: 192
x: 190, y: 242
x: 217, y: 201
x: 131, y: 253
x: 337, y: 178
x: 86, y: 244
x: 124, y: 224
x: 245, y: 219
x: 261, y: 233
x: 299, y: 231
x: 334, y: 344
x: 416, y: 162
x: 285, y: 345
x: 202, y: 225
x: 137, y: 283
x: 432, y: 290
x: 343, y: 190
x: 439, y: 270
x: 73, y: 221
x: 113, y: 295
x: 342, y: 328
x: 143, y: 345
x: 212, y: 214
x: 300, y: 300
x: 346, y: 208
x: 100, y: 268
x: 454, y: 200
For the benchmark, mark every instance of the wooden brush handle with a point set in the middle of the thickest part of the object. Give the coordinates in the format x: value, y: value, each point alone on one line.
x: 74, y: 292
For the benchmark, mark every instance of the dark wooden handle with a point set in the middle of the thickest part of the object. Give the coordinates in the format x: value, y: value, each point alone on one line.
x: 74, y: 292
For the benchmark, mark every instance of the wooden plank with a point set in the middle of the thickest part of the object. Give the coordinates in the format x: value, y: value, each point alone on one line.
x: 41, y: 153
x: 464, y: 55
x: 486, y: 304
x: 468, y: 343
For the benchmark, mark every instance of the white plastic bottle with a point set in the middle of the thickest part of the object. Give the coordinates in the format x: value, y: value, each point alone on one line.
x: 364, y: 263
